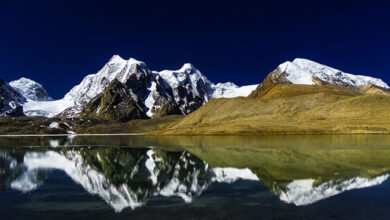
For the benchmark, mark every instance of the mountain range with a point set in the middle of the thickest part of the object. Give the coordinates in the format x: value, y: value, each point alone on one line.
x: 172, y: 91
x: 124, y: 90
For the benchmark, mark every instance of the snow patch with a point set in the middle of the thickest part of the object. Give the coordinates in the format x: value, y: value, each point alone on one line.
x: 230, y: 175
x: 230, y: 90
x: 54, y: 125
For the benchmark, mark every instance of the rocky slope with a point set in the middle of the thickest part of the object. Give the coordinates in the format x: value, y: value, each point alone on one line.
x: 114, y: 103
x: 10, y: 100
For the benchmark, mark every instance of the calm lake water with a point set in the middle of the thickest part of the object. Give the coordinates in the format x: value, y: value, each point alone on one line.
x: 213, y: 177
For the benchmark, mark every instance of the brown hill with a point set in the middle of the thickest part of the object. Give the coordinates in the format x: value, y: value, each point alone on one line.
x: 275, y: 107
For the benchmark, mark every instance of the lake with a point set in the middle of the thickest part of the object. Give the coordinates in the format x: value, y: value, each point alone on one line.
x: 210, y: 177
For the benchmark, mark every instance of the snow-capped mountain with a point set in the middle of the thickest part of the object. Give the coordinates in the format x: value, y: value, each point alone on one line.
x: 30, y: 89
x: 172, y: 91
x: 10, y: 100
x: 180, y: 91
x: 303, y: 71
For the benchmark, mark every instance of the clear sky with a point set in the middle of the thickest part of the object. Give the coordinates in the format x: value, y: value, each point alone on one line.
x: 57, y: 43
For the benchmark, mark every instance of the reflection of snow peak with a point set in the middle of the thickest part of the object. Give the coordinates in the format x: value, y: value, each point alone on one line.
x: 302, y: 192
x: 27, y: 182
x: 92, y: 181
x: 199, y: 177
x: 229, y: 175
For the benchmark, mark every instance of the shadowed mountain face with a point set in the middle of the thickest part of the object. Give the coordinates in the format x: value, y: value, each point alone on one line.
x: 114, y: 103
x: 10, y: 100
x: 129, y: 177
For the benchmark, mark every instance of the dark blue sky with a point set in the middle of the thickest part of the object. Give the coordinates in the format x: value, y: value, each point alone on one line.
x: 58, y: 42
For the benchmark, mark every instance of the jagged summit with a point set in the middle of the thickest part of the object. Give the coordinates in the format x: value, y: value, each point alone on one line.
x: 302, y: 71
x: 116, y: 59
x: 187, y: 67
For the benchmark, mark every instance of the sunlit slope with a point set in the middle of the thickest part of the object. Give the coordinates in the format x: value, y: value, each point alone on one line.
x: 289, y: 108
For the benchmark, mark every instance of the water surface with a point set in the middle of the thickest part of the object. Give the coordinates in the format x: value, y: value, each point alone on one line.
x: 212, y: 177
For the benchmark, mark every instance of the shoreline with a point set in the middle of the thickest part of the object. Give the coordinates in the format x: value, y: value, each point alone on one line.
x: 66, y: 135
x: 191, y: 135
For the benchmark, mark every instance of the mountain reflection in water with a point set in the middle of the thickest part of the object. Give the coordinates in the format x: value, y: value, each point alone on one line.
x: 123, y: 177
x: 127, y: 177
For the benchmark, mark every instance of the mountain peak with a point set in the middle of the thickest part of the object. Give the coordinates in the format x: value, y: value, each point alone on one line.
x: 302, y: 71
x: 187, y: 66
x: 116, y: 59
x: 30, y: 89
x: 303, y: 60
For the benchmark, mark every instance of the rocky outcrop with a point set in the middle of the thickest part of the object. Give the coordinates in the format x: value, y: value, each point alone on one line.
x: 274, y: 78
x: 114, y: 103
x: 374, y: 90
x: 10, y: 100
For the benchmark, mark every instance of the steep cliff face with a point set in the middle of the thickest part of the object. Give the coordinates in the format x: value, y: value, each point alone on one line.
x: 114, y: 103
x: 10, y: 100
x: 274, y: 78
